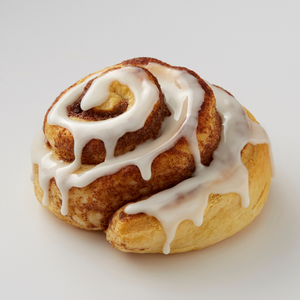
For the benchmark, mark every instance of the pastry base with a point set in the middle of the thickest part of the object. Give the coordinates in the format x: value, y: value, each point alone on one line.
x: 224, y: 215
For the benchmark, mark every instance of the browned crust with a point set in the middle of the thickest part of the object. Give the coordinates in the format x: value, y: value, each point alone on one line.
x: 106, y: 194
x: 209, y: 121
x: 74, y: 110
x: 208, y: 130
x: 224, y: 215
x: 62, y: 142
x: 65, y: 91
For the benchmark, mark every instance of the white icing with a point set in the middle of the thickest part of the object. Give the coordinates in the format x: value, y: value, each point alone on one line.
x: 225, y: 174
x: 184, y: 96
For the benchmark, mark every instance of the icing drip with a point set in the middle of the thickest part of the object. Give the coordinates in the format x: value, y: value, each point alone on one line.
x: 183, y: 96
x: 109, y: 131
x: 225, y: 174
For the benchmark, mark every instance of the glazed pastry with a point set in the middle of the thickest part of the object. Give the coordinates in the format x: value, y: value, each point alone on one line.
x: 158, y: 137
x: 224, y: 215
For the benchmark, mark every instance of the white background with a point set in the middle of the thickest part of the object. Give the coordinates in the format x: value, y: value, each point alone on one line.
x: 251, y: 48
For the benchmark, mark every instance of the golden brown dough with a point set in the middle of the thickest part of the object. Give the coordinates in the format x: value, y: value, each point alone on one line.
x: 101, y: 204
x: 61, y: 142
x: 91, y: 207
x: 224, y: 215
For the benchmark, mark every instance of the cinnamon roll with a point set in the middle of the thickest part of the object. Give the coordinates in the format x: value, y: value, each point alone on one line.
x: 153, y: 154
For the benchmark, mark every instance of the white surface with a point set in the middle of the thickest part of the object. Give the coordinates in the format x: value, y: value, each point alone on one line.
x: 251, y: 48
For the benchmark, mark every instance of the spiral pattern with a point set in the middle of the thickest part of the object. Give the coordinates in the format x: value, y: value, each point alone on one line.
x: 119, y: 100
x: 123, y: 175
x: 141, y: 130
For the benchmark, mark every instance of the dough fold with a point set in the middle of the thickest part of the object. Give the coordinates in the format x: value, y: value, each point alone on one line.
x: 223, y: 217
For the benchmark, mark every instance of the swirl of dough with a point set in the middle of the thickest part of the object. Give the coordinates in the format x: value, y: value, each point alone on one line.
x: 115, y: 118
x: 119, y: 100
x: 151, y: 153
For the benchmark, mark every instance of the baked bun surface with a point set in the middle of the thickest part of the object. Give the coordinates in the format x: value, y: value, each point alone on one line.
x: 92, y: 206
x: 224, y: 215
x: 168, y: 128
x: 121, y: 99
